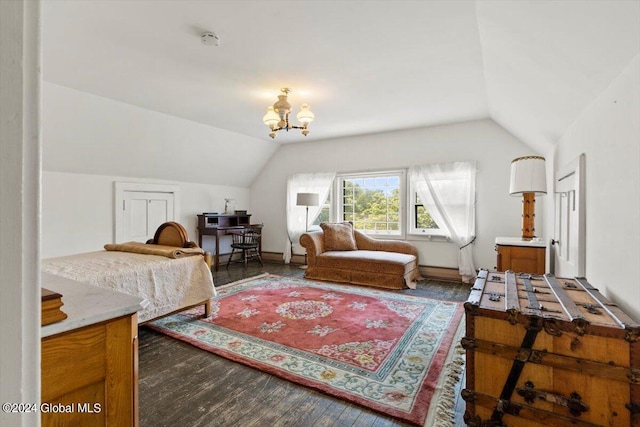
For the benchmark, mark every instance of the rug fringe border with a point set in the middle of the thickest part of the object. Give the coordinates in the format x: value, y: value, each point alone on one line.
x: 444, y: 415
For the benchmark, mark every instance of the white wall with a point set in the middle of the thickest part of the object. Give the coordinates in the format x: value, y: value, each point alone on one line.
x: 85, y: 133
x: 78, y: 211
x: 19, y: 208
x: 608, y: 132
x: 497, y: 214
x: 90, y: 141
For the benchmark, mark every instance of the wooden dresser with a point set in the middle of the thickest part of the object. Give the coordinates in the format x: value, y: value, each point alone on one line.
x: 89, y: 371
x: 522, y: 256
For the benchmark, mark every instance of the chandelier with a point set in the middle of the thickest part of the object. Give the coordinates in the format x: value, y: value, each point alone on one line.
x: 277, y: 117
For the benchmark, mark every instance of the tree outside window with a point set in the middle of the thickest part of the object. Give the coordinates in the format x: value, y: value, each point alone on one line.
x: 372, y: 202
x: 423, y: 219
x: 325, y: 212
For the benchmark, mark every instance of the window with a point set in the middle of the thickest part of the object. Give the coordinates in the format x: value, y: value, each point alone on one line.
x: 325, y: 211
x: 372, y: 201
x: 420, y: 220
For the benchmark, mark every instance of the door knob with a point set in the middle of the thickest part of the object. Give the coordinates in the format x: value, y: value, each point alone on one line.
x: 555, y: 242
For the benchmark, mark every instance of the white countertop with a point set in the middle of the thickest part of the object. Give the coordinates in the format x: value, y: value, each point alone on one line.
x: 87, y: 304
x: 519, y: 241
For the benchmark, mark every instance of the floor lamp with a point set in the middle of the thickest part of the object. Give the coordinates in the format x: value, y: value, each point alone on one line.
x: 307, y: 199
x: 528, y: 177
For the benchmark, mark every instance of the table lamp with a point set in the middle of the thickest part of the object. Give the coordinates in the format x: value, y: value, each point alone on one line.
x: 307, y: 199
x: 528, y: 178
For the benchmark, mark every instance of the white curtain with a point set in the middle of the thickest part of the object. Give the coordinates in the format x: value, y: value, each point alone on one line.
x: 319, y: 183
x: 448, y: 192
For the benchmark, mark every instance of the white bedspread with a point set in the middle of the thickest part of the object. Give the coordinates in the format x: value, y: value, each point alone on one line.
x: 168, y: 284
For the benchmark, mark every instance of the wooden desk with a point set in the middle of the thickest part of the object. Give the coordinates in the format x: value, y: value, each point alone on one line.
x: 219, y: 225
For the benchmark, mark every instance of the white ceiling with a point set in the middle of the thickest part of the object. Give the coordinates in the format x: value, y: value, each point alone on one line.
x: 364, y: 66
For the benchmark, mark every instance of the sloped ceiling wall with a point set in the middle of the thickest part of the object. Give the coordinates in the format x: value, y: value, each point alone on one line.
x: 545, y: 61
x: 366, y: 66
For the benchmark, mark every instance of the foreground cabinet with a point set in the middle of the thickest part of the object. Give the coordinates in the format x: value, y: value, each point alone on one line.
x: 89, y: 361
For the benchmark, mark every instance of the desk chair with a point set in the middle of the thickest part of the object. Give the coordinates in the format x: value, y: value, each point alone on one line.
x: 247, y: 243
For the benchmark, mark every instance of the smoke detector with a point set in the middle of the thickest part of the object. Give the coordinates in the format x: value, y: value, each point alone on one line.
x: 210, y: 39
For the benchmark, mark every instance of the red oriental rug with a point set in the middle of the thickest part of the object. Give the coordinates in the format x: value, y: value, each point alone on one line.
x: 381, y: 349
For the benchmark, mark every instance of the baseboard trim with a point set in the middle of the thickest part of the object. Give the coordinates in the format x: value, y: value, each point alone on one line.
x: 446, y: 274
x: 278, y: 257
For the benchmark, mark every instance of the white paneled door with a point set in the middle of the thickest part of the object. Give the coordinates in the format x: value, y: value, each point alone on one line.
x: 141, y: 208
x: 144, y: 212
x: 569, y: 235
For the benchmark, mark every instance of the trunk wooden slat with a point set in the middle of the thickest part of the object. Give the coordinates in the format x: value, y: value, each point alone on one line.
x: 558, y: 354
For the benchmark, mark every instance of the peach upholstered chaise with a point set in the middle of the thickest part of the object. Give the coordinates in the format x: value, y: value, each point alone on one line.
x: 339, y: 253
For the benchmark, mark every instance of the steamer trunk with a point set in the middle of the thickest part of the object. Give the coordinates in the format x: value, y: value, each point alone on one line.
x: 546, y: 351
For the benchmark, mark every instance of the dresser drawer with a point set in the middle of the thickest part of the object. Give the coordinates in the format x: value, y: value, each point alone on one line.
x: 73, y: 360
x: 91, y: 373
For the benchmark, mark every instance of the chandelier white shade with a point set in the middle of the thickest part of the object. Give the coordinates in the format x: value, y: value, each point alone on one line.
x: 528, y: 176
x: 277, y: 116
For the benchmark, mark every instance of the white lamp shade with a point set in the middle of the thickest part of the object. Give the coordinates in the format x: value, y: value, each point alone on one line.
x: 271, y: 118
x: 528, y: 175
x: 308, y: 199
x: 305, y: 116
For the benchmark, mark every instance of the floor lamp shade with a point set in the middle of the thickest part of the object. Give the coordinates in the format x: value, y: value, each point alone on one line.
x: 528, y: 177
x: 308, y: 199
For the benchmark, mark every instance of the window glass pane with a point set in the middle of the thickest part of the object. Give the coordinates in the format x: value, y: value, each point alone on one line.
x: 325, y: 211
x: 323, y: 216
x: 423, y: 219
x: 374, y: 205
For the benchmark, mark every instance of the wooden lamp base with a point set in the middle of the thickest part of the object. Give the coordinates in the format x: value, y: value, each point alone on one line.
x: 528, y: 215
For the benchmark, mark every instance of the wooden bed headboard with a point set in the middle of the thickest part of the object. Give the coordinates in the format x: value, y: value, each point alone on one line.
x: 172, y: 234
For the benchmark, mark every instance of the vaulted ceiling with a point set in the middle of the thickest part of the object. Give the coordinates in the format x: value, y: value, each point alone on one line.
x: 364, y: 66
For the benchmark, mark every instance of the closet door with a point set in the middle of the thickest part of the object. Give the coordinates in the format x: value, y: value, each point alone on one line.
x: 140, y: 208
x: 144, y: 212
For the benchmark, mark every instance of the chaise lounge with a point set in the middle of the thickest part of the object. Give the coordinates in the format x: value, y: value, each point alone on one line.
x: 339, y: 253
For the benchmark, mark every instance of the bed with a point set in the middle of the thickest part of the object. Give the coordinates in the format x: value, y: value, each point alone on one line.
x: 169, y: 271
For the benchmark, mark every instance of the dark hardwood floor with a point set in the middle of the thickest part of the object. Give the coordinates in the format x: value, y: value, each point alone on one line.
x: 181, y: 385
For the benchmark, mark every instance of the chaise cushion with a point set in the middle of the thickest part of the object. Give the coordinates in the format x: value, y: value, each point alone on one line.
x: 372, y: 261
x: 339, y: 237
